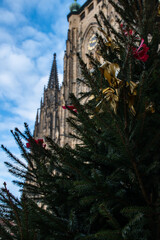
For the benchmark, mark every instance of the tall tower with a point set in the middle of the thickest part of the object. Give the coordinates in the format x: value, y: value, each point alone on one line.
x: 47, y: 120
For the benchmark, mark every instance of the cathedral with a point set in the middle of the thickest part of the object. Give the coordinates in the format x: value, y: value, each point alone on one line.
x: 51, y: 117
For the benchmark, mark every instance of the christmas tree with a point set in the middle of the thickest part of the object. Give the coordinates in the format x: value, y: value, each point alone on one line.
x: 107, y: 187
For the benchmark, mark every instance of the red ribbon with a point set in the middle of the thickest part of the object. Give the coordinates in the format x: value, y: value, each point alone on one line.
x: 141, y: 52
x: 70, y: 107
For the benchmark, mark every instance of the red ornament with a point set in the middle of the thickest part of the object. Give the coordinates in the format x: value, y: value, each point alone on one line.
x: 70, y: 107
x: 141, y: 52
x: 28, y: 145
x: 38, y: 141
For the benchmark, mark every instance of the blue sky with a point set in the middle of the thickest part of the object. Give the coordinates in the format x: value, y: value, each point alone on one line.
x: 30, y: 32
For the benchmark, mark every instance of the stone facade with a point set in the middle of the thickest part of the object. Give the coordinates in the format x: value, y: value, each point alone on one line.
x: 51, y: 118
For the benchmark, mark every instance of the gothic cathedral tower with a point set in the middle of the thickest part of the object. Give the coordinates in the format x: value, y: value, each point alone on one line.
x: 51, y: 119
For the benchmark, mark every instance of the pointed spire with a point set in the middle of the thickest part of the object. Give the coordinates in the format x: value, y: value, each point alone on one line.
x: 41, y: 104
x: 37, y: 118
x: 53, y: 80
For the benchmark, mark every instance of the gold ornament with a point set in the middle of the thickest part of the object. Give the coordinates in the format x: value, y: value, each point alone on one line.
x: 133, y: 87
x: 150, y: 108
x: 111, y: 97
x: 131, y: 101
x: 98, y: 54
x: 110, y: 72
x: 110, y: 94
x: 132, y: 95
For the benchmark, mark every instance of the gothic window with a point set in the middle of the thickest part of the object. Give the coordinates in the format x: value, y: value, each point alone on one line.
x: 51, y: 124
x: 82, y: 16
x: 90, y: 8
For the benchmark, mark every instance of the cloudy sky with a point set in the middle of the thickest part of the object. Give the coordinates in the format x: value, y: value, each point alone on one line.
x: 30, y: 32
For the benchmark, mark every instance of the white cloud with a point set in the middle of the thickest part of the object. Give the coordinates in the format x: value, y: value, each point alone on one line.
x: 60, y: 76
x: 7, y: 17
x: 28, y: 31
x: 16, y: 6
x: 31, y: 48
x: 47, y: 6
x: 14, y: 59
x: 38, y: 88
x: 5, y: 37
x: 7, y: 82
x: 43, y: 64
x: 20, y: 64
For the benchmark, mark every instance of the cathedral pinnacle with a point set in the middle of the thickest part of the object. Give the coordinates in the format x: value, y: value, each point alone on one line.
x: 37, y: 118
x: 41, y: 104
x: 53, y: 80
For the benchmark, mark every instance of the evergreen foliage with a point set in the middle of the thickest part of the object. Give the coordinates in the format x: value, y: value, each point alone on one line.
x: 108, y: 186
x: 17, y: 217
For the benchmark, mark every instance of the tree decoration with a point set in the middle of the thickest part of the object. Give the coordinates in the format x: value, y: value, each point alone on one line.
x: 141, y: 52
x: 71, y: 107
x: 111, y: 97
x: 150, y: 108
x: 132, y: 93
x: 38, y: 141
x: 110, y: 72
x: 126, y: 33
x: 111, y: 94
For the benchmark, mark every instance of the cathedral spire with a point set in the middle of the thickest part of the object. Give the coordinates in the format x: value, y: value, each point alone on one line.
x: 37, y: 118
x: 41, y: 103
x: 53, y: 80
